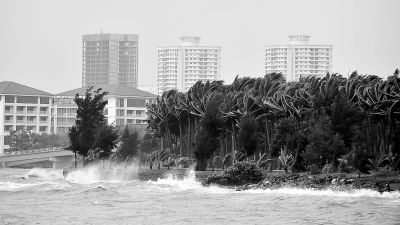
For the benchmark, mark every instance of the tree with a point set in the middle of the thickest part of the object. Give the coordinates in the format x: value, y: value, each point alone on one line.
x: 316, y: 118
x: 21, y: 140
x: 106, y: 139
x: 89, y: 118
x: 148, y: 144
x: 248, y: 135
x: 129, y: 145
x: 207, y: 137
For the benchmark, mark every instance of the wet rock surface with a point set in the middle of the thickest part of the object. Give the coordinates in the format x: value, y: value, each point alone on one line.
x: 338, y: 181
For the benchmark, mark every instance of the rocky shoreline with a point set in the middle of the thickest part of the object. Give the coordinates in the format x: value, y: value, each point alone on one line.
x: 338, y: 181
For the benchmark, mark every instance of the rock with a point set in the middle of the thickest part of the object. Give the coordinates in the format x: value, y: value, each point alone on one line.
x: 348, y: 181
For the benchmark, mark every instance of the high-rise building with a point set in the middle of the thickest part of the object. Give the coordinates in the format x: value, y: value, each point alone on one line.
x: 298, y: 58
x: 179, y: 67
x: 110, y: 59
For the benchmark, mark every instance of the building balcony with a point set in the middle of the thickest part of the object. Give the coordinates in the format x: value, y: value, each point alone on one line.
x: 20, y: 112
x: 43, y: 122
x: 65, y: 124
x: 20, y: 121
x: 8, y: 111
x: 8, y: 121
x: 44, y: 112
x: 31, y: 122
x: 66, y: 115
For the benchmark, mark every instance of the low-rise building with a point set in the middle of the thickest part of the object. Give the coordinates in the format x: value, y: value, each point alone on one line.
x: 26, y: 108
x: 23, y: 108
x: 126, y: 106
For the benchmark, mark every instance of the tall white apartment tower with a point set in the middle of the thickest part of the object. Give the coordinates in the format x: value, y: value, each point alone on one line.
x: 110, y: 59
x: 298, y: 58
x: 179, y: 67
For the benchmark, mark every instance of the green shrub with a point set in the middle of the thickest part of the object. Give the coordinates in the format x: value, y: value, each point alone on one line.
x: 239, y: 174
x: 328, y: 168
x: 314, y: 169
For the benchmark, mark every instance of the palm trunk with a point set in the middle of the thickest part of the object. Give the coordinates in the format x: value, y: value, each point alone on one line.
x: 233, y: 144
x: 189, y: 137
x: 181, y: 139
x: 267, y: 138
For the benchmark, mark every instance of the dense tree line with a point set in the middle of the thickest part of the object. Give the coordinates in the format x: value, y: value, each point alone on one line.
x: 27, y: 140
x: 313, y: 121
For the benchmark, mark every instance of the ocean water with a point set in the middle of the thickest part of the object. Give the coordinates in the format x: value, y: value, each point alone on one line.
x: 113, y: 195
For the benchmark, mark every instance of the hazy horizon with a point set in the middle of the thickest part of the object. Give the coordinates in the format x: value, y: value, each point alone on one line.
x: 41, y: 41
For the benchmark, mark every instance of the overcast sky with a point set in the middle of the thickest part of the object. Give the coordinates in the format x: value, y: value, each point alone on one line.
x: 41, y: 45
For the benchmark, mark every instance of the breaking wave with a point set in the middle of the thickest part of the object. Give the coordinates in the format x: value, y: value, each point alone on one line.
x: 190, y: 182
x: 103, y: 172
x: 43, y: 174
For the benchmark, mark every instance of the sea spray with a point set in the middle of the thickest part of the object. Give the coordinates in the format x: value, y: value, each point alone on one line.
x: 179, y: 183
x: 43, y: 174
x: 104, y: 171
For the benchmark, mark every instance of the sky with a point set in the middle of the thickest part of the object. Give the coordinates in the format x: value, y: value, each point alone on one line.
x: 41, y: 40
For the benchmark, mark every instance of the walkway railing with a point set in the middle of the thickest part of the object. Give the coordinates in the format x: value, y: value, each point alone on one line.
x: 33, y: 151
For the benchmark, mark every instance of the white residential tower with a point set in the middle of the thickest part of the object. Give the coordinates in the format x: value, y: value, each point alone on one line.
x: 298, y: 58
x: 179, y: 67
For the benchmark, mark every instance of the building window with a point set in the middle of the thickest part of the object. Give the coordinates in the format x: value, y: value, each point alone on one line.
x: 44, y: 100
x: 120, y: 112
x: 27, y: 99
x: 120, y: 102
x: 10, y: 99
x: 42, y: 129
x: 119, y: 122
x: 136, y: 102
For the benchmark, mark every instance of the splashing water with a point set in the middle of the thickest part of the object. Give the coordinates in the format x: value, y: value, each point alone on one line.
x: 105, y: 171
x: 187, y: 182
x: 44, y: 196
x: 44, y: 174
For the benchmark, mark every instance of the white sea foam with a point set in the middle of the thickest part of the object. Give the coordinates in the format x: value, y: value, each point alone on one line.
x: 190, y: 182
x: 312, y: 192
x: 103, y: 172
x: 187, y: 182
x: 15, y: 186
x: 43, y: 174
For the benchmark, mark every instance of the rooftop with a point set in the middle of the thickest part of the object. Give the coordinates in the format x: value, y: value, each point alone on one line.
x: 112, y: 89
x: 12, y: 88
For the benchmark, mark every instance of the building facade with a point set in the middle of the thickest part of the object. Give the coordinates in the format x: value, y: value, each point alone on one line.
x: 26, y: 108
x: 298, y: 58
x: 23, y: 108
x: 110, y: 59
x: 179, y: 67
x: 126, y: 106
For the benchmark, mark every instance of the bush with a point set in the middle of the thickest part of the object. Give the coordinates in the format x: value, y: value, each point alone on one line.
x: 328, y: 168
x: 239, y: 174
x: 314, y: 169
x: 343, y: 167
